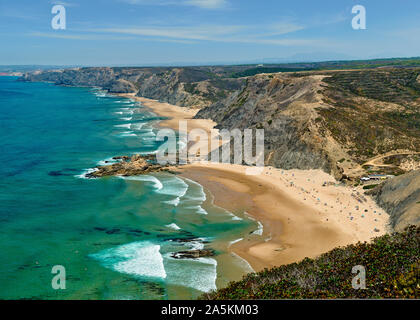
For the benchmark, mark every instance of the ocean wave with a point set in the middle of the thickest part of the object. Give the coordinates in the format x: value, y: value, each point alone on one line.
x: 146, y: 178
x: 234, y: 217
x: 107, y: 161
x: 173, y: 226
x: 125, y: 101
x: 127, y: 125
x: 245, y: 264
x: 235, y: 241
x: 100, y: 93
x: 139, y: 126
x: 174, y: 187
x: 197, y: 244
x: 199, y: 273
x: 174, y: 202
x: 126, y: 111
x: 200, y: 195
x: 137, y: 258
x: 85, y: 172
x: 260, y: 229
x: 127, y: 134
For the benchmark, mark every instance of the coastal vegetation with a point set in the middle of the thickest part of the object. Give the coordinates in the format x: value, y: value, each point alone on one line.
x: 392, y: 271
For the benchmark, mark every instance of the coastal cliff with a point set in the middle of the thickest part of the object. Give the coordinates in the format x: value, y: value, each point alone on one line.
x: 337, y: 121
x: 400, y: 197
x: 187, y: 87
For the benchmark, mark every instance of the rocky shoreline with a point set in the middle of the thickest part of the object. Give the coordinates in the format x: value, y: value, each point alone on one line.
x: 193, y: 254
x: 130, y: 166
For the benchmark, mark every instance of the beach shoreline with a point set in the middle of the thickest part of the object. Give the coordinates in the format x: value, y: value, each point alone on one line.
x: 295, y: 224
x: 300, y: 213
x: 173, y: 113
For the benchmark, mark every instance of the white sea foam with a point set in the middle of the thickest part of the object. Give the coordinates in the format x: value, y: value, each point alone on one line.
x: 174, y: 187
x: 156, y: 182
x: 234, y: 217
x: 126, y: 119
x: 196, y: 245
x: 107, y: 162
x: 85, y: 172
x: 200, y: 210
x: 173, y: 226
x: 199, y: 274
x: 249, y: 217
x: 137, y: 258
x: 245, y: 264
x: 260, y: 229
x: 139, y: 126
x: 195, y: 197
x: 100, y: 94
x: 125, y: 111
x: 235, y: 241
x: 201, y: 194
x: 174, y: 202
x: 127, y: 134
x: 127, y: 125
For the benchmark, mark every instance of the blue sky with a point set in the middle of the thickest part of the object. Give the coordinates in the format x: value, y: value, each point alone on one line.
x: 145, y: 32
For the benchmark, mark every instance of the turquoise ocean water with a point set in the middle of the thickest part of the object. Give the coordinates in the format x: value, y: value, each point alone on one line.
x: 114, y: 236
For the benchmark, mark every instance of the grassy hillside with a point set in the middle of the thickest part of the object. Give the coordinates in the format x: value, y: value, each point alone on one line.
x: 383, y: 104
x: 392, y: 265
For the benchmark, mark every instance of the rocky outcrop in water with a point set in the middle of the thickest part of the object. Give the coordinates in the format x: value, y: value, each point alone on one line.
x: 129, y: 166
x: 400, y: 197
x: 193, y: 254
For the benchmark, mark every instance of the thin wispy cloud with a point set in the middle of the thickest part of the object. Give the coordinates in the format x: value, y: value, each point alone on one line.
x: 75, y: 36
x: 207, y: 4
x: 181, y: 33
x: 64, y: 3
x: 96, y: 37
x: 269, y: 34
x: 203, y: 4
x: 280, y: 28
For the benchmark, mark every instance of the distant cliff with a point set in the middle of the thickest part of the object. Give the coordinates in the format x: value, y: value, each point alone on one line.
x: 187, y: 87
x: 400, y: 197
x: 333, y: 120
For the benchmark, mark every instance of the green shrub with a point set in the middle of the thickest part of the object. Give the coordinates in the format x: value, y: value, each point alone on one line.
x: 392, y: 271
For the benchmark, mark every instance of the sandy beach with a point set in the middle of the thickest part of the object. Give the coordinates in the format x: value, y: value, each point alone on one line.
x: 174, y: 114
x: 301, y: 216
x: 301, y: 213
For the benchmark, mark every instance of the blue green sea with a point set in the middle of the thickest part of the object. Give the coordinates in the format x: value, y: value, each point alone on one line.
x: 114, y: 236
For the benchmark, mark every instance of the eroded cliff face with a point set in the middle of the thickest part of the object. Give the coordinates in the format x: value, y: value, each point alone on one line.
x: 332, y: 120
x: 400, y: 197
x: 337, y: 121
x: 86, y: 77
x: 284, y: 107
x: 186, y: 87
